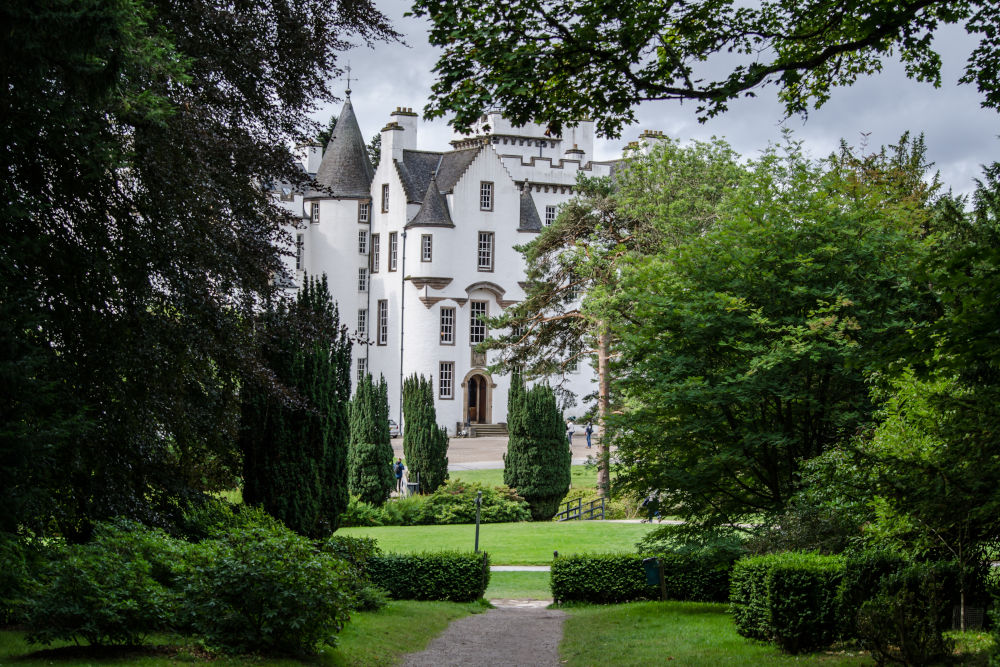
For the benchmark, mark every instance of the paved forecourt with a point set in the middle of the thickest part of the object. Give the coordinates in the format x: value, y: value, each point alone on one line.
x: 487, y: 453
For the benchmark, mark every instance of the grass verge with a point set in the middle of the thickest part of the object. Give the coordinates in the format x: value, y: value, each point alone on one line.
x: 686, y: 633
x: 519, y: 586
x: 527, y: 543
x: 371, y: 638
x: 583, y: 477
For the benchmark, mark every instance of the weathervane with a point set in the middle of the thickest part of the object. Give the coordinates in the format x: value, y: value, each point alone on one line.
x: 349, y: 78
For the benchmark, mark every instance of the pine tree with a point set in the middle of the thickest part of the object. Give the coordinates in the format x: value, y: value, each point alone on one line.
x: 538, y: 459
x: 370, y: 459
x: 425, y: 444
x: 294, y: 424
x: 515, y: 415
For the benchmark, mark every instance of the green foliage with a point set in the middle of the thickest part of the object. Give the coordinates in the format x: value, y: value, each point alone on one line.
x: 294, y: 428
x: 137, y: 242
x: 455, y: 502
x: 267, y: 591
x: 425, y: 444
x: 616, y: 578
x: 357, y: 551
x: 557, y: 64
x: 115, y: 589
x: 455, y: 576
x: 370, y: 456
x: 788, y: 288
x: 790, y: 599
x: 407, y: 511
x: 19, y: 560
x: 863, y: 574
x: 904, y: 623
x: 537, y: 454
x: 326, y: 133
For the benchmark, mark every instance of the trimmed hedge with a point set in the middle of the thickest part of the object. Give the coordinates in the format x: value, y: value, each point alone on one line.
x: 863, y: 574
x: 614, y: 578
x: 448, y: 575
x: 788, y: 598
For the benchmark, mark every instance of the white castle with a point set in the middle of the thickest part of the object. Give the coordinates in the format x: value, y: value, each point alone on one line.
x: 419, y: 249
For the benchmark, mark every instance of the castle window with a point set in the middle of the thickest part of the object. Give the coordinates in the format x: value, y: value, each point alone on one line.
x: 363, y: 279
x: 550, y: 215
x: 383, y: 322
x: 425, y: 247
x: 364, y: 211
x: 447, y: 326
x: 485, y: 196
x: 314, y: 212
x: 362, y: 241
x: 299, y: 248
x: 393, y: 247
x: 362, y: 323
x: 362, y: 369
x: 376, y: 247
x: 485, y: 256
x: 385, y: 197
x: 446, y: 379
x: 477, y: 321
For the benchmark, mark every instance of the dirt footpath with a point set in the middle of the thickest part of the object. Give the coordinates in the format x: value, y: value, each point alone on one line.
x: 484, y: 453
x: 518, y: 633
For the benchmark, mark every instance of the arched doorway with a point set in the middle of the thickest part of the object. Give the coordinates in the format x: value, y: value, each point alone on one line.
x: 478, y: 398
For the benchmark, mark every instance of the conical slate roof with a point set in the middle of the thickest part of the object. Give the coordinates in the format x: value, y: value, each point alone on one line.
x: 434, y: 209
x: 530, y: 222
x: 345, y: 167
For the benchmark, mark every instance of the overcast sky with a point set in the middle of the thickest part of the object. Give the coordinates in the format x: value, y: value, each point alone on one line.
x: 960, y: 134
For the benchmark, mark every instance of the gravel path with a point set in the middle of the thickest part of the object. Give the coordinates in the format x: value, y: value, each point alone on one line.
x: 518, y: 633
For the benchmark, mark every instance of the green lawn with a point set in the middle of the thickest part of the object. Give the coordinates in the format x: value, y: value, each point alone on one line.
x: 519, y: 586
x: 371, y: 638
x: 582, y: 476
x: 685, y: 633
x: 527, y: 543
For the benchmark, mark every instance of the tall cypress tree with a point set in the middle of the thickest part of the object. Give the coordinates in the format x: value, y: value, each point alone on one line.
x: 370, y: 459
x: 538, y: 459
x: 294, y: 427
x: 515, y: 414
x: 425, y: 444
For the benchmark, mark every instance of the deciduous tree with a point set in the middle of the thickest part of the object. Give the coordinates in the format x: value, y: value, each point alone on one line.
x: 556, y: 61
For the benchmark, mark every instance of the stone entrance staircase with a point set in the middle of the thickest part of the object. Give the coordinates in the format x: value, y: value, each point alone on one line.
x: 488, y: 431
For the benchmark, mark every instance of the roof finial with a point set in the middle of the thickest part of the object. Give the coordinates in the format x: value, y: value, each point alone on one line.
x: 348, y: 91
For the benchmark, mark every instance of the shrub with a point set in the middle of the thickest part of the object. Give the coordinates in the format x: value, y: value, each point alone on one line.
x: 268, y: 591
x: 215, y: 517
x: 905, y: 622
x: 109, y: 591
x: 454, y: 576
x: 357, y: 552
x: 614, y: 578
x: 19, y: 560
x: 407, y: 511
x: 863, y: 573
x: 789, y: 598
x: 455, y: 502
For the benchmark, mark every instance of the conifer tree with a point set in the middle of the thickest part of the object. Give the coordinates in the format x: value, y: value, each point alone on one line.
x: 515, y: 405
x: 538, y: 459
x: 294, y: 426
x: 370, y: 458
x: 425, y: 444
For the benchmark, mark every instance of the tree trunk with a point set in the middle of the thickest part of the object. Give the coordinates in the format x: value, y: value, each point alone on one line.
x: 603, y: 400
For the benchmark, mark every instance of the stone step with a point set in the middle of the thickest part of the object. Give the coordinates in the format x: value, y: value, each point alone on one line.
x: 488, y: 430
